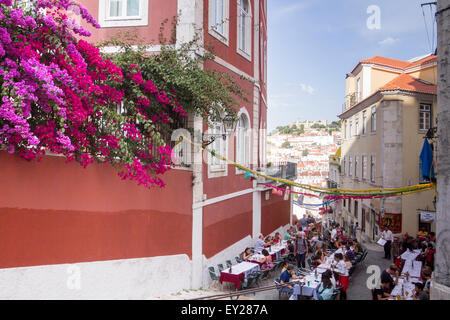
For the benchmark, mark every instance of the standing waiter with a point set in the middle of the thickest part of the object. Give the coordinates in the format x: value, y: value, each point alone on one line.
x: 388, y: 236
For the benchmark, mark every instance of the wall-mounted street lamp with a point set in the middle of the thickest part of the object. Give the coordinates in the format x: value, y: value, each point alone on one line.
x: 229, y: 124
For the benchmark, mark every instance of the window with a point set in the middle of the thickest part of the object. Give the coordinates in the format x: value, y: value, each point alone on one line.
x: 358, y: 90
x: 123, y: 8
x: 345, y: 129
x: 218, y: 19
x: 356, y: 167
x: 356, y: 209
x: 364, y: 120
x: 350, y: 166
x: 219, y: 146
x: 373, y: 119
x: 350, y: 129
x: 356, y: 125
x: 244, y: 28
x: 364, y: 167
x: 123, y: 13
x: 345, y: 166
x: 424, y: 116
x: 349, y: 205
x: 372, y: 168
x: 243, y: 141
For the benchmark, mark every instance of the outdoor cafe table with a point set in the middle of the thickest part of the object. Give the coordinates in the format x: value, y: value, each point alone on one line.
x: 239, y: 273
x: 308, y: 286
x: 275, y: 252
x: 408, y: 289
x: 410, y: 255
x: 413, y: 268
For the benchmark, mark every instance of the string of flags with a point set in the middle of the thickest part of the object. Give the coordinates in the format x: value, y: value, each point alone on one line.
x: 330, y: 194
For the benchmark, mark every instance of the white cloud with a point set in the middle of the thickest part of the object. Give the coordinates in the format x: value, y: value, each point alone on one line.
x: 281, y: 12
x: 388, y: 41
x: 307, y: 88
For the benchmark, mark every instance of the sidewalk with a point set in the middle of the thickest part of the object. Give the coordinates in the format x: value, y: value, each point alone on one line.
x: 358, y: 289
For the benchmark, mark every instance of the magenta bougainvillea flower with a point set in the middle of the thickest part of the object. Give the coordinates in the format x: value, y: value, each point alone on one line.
x: 59, y: 94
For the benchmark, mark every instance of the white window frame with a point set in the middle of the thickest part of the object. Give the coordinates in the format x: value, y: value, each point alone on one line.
x: 350, y: 128
x: 212, y: 30
x: 345, y: 165
x: 246, y: 52
x: 349, y: 166
x: 427, y: 119
x: 243, y: 140
x: 357, y: 125
x: 358, y: 90
x: 106, y: 21
x: 364, y: 167
x: 373, y: 168
x: 364, y: 122
x: 217, y: 167
x: 373, y: 118
x: 356, y: 166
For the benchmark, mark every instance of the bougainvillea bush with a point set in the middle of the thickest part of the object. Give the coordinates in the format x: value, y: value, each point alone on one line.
x: 59, y: 95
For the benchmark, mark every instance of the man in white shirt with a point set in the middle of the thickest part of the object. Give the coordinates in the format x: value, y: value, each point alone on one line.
x: 259, y: 244
x: 388, y: 236
x: 334, y: 234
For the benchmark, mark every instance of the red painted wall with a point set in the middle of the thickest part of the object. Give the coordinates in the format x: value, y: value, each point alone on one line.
x: 225, y: 223
x: 275, y: 213
x: 53, y: 213
x: 228, y: 52
x: 232, y: 183
x: 158, y: 10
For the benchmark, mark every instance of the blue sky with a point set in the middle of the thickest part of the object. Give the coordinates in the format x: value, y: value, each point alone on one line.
x: 312, y: 44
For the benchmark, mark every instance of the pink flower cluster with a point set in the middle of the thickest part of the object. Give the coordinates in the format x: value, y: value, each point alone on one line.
x: 60, y: 94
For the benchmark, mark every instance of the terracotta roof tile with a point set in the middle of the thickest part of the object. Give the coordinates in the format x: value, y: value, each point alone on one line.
x: 409, y: 83
x: 399, y: 64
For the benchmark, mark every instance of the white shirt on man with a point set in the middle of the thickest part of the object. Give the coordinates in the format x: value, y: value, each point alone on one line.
x: 333, y: 234
x: 387, y: 235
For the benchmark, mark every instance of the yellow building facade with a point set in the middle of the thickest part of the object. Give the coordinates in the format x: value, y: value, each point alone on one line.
x: 390, y: 106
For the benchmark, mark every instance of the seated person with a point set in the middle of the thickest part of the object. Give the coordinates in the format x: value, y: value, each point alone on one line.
x: 246, y: 254
x: 285, y: 266
x: 339, y: 266
x: 268, y: 242
x: 259, y: 244
x: 349, y: 253
x: 267, y: 263
x: 419, y: 292
x: 359, y: 248
x: 318, y: 258
x: 286, y: 277
x: 290, y: 250
x: 288, y: 234
x: 277, y: 238
x: 426, y: 276
x: 382, y: 293
x: 348, y: 263
x: 314, y: 239
x: 327, y: 286
x: 388, y: 274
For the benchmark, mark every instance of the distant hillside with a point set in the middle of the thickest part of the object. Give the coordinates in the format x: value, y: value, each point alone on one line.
x: 297, y: 129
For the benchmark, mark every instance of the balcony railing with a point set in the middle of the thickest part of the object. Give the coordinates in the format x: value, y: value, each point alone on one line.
x: 331, y: 184
x: 284, y: 170
x: 351, y: 99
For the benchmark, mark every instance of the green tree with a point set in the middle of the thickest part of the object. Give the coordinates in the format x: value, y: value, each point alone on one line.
x: 286, y: 145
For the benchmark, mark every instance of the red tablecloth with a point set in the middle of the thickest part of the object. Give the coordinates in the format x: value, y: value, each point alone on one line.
x: 233, y: 278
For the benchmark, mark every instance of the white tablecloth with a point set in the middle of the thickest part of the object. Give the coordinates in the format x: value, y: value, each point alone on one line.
x: 408, y: 288
x: 414, y: 268
x: 243, y: 267
x: 410, y: 255
x: 309, y: 285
